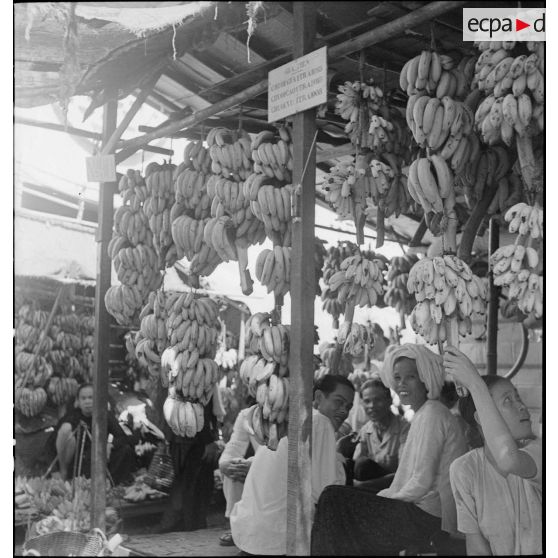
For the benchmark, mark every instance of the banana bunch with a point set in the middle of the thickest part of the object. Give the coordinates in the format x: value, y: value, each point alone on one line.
x: 188, y: 237
x: 436, y: 74
x: 273, y: 154
x: 326, y: 357
x: 152, y: 339
x: 526, y: 220
x: 331, y: 305
x: 357, y: 102
x: 62, y: 390
x: 397, y: 296
x: 431, y: 184
x: 360, y: 279
x: 516, y: 267
x: 123, y: 302
x: 265, y: 373
x: 445, y: 288
x: 492, y: 165
x: 231, y: 153
x: 505, y: 117
x: 185, y: 418
x: 273, y: 269
x: 157, y: 207
x: 272, y: 345
x: 30, y: 401
x: 130, y: 222
x: 338, y: 187
x: 439, y: 124
x: 354, y: 338
x: 187, y: 362
x: 386, y: 186
x: 35, y: 370
x: 191, y: 196
x: 273, y: 209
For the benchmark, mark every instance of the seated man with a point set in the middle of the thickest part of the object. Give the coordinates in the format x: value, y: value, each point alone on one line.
x: 73, y: 442
x: 381, y: 439
x: 234, y: 464
x: 259, y: 520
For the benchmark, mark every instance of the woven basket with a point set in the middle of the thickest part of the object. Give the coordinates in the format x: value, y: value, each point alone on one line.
x: 160, y: 474
x: 64, y: 543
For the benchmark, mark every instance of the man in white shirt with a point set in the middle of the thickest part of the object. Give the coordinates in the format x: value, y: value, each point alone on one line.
x: 259, y: 520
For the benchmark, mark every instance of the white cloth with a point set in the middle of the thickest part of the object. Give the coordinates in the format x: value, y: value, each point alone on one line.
x: 506, y: 511
x: 434, y: 441
x: 430, y: 367
x: 236, y: 448
x: 259, y: 520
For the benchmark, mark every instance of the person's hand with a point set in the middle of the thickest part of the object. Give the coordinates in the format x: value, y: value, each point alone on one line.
x: 346, y: 445
x: 236, y: 470
x: 460, y: 367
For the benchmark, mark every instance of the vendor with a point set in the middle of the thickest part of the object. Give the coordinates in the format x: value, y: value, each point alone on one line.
x: 234, y: 464
x: 377, y: 449
x: 194, y: 460
x: 419, y: 502
x: 497, y: 486
x: 259, y: 520
x: 73, y: 442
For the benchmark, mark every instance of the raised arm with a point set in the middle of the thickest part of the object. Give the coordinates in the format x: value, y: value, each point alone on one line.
x: 498, y: 438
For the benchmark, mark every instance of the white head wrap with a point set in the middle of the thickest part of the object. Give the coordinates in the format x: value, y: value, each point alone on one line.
x: 429, y: 366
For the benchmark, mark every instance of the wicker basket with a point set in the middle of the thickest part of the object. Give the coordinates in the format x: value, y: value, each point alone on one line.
x: 64, y: 543
x: 160, y: 474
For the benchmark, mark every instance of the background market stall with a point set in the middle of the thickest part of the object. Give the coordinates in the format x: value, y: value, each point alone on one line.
x: 206, y: 68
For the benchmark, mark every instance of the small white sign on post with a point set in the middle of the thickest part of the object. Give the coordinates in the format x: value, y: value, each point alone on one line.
x: 101, y: 168
x: 297, y: 85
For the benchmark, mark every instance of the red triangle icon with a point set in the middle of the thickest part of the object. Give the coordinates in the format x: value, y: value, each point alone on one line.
x: 519, y: 25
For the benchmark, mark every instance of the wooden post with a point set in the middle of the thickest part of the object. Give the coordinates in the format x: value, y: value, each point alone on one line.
x: 102, y: 335
x: 299, y: 486
x: 493, y: 294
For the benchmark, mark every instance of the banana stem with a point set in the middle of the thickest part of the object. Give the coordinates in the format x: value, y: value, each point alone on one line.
x: 380, y: 228
x: 475, y: 220
x: 526, y: 158
x: 336, y: 359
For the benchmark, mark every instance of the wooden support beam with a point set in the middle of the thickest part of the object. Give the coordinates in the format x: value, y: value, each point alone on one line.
x: 394, y: 28
x: 136, y: 106
x: 102, y: 335
x: 301, y: 366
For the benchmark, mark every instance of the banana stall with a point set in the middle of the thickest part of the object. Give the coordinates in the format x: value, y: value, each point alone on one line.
x: 378, y: 113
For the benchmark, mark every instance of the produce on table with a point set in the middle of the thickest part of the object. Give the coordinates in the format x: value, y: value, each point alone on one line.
x: 50, y: 364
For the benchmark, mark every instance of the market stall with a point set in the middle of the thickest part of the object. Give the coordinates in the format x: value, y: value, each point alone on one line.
x: 428, y: 141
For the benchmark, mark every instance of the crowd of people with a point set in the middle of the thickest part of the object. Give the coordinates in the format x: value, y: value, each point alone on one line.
x: 419, y: 467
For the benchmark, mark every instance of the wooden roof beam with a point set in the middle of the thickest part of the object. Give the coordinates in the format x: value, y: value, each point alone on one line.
x: 382, y: 33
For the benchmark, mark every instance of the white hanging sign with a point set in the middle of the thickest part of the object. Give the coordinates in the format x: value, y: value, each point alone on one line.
x: 297, y: 85
x: 101, y: 168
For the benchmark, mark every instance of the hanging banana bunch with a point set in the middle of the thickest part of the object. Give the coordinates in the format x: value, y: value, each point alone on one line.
x: 188, y: 367
x: 518, y: 267
x: 359, y: 280
x: 132, y: 253
x: 445, y: 288
x: 397, y: 296
x: 230, y: 152
x: 265, y: 373
x: 157, y: 208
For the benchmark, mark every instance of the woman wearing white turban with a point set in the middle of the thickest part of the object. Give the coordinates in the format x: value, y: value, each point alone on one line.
x: 419, y: 503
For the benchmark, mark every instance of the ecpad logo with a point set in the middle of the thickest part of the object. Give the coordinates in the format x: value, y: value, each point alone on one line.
x: 503, y: 24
